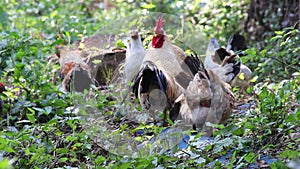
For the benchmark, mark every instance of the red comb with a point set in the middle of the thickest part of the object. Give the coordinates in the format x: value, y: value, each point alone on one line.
x: 159, y: 24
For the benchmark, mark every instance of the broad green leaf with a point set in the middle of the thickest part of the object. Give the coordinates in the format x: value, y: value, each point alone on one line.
x: 31, y: 117
x: 70, y: 138
x: 250, y: 157
x: 100, y: 159
x: 63, y: 159
x: 4, y: 163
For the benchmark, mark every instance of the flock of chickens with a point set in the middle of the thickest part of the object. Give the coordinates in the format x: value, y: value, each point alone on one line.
x: 164, y: 78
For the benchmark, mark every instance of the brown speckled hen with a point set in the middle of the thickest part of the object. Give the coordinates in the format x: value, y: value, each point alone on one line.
x: 206, y: 99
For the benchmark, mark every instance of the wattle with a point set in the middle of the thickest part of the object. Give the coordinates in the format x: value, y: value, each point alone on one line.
x: 157, y: 41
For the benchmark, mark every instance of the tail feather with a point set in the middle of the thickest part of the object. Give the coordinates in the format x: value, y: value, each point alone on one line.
x: 236, y: 68
x: 152, y: 76
x: 222, y: 53
x: 228, y: 57
x: 161, y: 79
x: 194, y: 63
x: 237, y: 43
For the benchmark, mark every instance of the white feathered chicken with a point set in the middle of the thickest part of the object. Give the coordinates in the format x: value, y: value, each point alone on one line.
x: 154, y: 85
x: 135, y: 54
x: 217, y: 60
x: 207, y: 98
x: 237, y: 43
x: 224, y: 63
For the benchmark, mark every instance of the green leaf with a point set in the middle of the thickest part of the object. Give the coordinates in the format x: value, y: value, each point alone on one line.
x: 221, y: 144
x: 27, y: 151
x: 18, y: 69
x: 233, y: 158
x: 4, y: 163
x: 250, y: 157
x: 254, y: 79
x: 8, y: 149
x: 278, y: 165
x: 120, y: 44
x: 97, y: 61
x: 30, y: 117
x: 48, y: 110
x: 70, y: 138
x: 99, y: 160
x: 219, y: 126
x: 125, y: 165
x: 59, y: 41
x: 63, y: 159
x: 290, y: 154
x: 282, y: 43
x: 19, y: 55
x: 249, y: 125
x: 53, y: 13
x: 278, y: 32
x: 3, y: 17
x: 62, y: 150
x: 148, y: 6
x: 239, y: 131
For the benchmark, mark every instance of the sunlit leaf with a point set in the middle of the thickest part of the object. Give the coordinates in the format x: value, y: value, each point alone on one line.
x: 250, y: 157
x: 242, y: 76
x: 148, y: 6
x: 31, y: 117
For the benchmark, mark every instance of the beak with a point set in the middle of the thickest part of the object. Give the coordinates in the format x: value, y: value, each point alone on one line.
x: 134, y: 36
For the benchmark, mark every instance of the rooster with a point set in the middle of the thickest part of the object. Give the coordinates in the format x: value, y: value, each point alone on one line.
x: 134, y: 56
x: 76, y: 74
x: 154, y: 85
x: 2, y: 89
x: 207, y: 98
